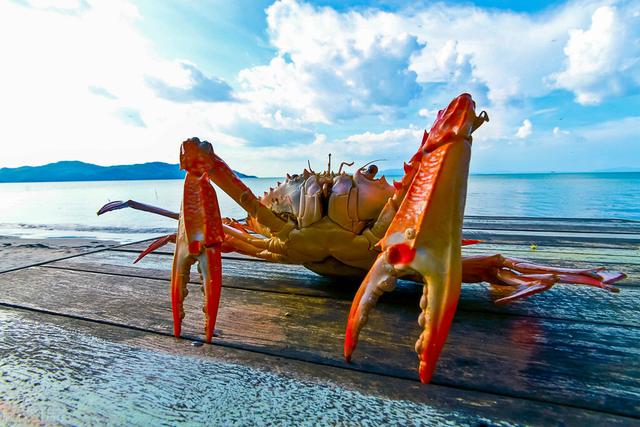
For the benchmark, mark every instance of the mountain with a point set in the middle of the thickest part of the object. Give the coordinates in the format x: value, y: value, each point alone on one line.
x: 80, y: 171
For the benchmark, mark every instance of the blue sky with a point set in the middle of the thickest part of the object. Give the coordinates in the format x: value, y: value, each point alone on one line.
x: 274, y: 84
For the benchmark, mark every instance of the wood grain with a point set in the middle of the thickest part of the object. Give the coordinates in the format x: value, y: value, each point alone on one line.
x: 586, y: 365
x: 103, y: 371
x: 568, y: 302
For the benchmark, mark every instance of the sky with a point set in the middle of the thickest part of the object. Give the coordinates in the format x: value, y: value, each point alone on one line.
x: 276, y: 84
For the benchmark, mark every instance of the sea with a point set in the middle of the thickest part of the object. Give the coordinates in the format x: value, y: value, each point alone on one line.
x: 68, y: 209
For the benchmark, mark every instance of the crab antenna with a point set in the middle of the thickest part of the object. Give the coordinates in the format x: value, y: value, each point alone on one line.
x: 342, y: 165
x: 329, y: 165
x: 368, y: 163
x: 309, y: 163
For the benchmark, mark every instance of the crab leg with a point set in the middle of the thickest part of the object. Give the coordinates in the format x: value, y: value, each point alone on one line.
x: 237, y: 238
x: 425, y: 236
x: 529, y: 278
x: 199, y: 238
x: 115, y: 205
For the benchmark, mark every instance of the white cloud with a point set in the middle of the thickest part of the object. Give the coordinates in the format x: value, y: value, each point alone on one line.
x: 557, y: 131
x: 475, y: 48
x: 75, y: 89
x: 604, y: 59
x: 192, y: 86
x: 394, y: 146
x: 424, y: 112
x: 598, y: 146
x: 525, y: 130
x: 331, y: 66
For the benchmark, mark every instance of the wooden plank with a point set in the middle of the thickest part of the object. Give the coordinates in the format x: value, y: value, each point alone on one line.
x: 555, y: 239
x: 580, y: 364
x: 626, y: 260
x: 15, y: 259
x: 581, y: 225
x: 107, y: 375
x: 562, y: 302
x: 12, y: 258
x: 586, y: 254
x: 630, y: 265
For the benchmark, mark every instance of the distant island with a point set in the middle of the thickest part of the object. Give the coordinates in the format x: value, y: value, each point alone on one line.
x: 80, y: 171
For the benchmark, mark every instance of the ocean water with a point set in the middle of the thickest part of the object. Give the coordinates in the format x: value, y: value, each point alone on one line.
x: 68, y: 209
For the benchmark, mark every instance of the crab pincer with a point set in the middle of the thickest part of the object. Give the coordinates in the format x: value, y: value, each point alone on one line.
x: 424, y: 237
x: 199, y: 238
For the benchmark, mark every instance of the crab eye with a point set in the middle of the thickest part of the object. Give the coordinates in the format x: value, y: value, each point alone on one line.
x: 370, y: 172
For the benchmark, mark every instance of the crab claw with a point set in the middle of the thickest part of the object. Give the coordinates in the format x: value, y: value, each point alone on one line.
x: 199, y: 238
x: 424, y: 238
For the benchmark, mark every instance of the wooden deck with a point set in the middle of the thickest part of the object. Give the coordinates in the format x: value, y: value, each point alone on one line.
x: 88, y: 339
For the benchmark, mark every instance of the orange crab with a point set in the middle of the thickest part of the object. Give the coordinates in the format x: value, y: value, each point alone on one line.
x: 338, y: 224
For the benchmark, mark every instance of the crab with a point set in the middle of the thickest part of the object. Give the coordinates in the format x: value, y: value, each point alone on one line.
x: 338, y: 224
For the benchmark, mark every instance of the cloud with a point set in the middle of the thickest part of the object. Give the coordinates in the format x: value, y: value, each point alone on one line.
x: 196, y: 87
x: 557, y: 131
x: 100, y: 91
x: 618, y: 130
x: 75, y: 89
x: 525, y: 130
x: 424, y: 112
x: 394, y: 146
x: 131, y: 117
x: 604, y: 59
x: 65, y: 7
x: 331, y: 66
x: 372, y: 143
x: 598, y: 146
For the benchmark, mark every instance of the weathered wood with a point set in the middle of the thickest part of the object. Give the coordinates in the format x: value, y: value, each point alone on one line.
x: 586, y: 365
x: 562, y: 302
x: 556, y: 239
x: 111, y: 375
x: 53, y: 254
x: 556, y: 253
x: 625, y: 260
x: 627, y: 264
x: 581, y: 225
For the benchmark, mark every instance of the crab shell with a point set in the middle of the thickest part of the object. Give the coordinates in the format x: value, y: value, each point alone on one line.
x: 328, y: 212
x: 350, y: 201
